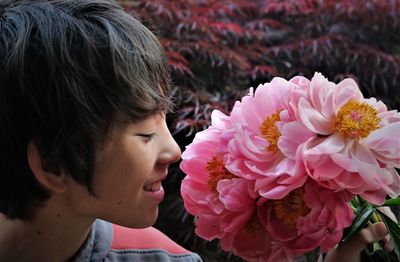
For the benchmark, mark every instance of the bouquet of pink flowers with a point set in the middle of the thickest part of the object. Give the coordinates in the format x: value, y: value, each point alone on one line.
x: 295, y: 164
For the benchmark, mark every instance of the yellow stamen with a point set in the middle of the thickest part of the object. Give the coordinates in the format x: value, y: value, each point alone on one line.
x: 356, y: 119
x: 216, y: 172
x: 290, y: 208
x: 270, y: 131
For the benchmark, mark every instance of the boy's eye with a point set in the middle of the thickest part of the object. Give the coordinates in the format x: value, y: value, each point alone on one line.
x: 147, y: 137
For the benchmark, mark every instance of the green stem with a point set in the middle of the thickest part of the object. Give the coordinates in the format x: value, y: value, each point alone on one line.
x: 375, y: 218
x: 392, y: 202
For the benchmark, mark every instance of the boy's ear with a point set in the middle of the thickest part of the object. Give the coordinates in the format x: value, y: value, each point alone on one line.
x: 54, y: 181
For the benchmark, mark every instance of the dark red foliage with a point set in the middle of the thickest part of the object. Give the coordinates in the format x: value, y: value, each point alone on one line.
x: 223, y: 47
x: 218, y: 49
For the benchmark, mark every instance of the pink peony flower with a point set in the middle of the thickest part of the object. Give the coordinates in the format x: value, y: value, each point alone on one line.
x: 273, y: 180
x: 308, y: 217
x: 252, y: 242
x: 223, y: 203
x: 256, y: 151
x: 357, y: 145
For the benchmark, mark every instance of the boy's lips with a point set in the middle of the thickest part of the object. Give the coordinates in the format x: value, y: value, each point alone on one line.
x: 155, y: 191
x: 154, y: 186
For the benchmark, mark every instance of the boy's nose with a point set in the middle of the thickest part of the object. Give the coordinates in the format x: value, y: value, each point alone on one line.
x: 175, y: 151
x: 171, y: 152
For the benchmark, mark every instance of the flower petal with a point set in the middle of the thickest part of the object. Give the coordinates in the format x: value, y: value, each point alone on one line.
x: 385, y: 143
x: 347, y: 90
x: 292, y: 135
x: 313, y: 119
x: 330, y: 145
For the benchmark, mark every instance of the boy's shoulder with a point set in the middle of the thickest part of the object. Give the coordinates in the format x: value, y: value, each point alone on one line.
x: 146, y: 238
x: 112, y: 243
x: 147, y: 244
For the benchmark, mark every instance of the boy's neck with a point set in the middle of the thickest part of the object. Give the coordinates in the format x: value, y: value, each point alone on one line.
x: 54, y: 234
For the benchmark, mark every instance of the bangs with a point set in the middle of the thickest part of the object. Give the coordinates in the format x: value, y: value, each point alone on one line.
x: 140, y: 73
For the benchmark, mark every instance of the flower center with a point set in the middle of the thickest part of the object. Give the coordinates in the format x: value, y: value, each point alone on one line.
x: 253, y: 225
x: 356, y: 119
x: 291, y: 207
x: 216, y: 172
x: 270, y: 131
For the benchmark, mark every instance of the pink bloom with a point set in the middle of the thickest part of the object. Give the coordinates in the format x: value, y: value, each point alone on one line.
x: 273, y: 180
x: 279, y: 253
x: 298, y: 90
x: 253, y: 250
x: 256, y: 151
x: 222, y: 202
x: 308, y: 217
x: 357, y: 147
x: 252, y: 242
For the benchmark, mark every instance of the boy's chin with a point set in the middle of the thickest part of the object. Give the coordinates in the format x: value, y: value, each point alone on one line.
x: 149, y: 221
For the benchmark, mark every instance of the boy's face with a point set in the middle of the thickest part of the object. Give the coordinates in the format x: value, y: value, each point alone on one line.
x: 128, y: 172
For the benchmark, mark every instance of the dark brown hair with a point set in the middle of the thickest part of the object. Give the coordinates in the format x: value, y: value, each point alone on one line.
x: 67, y: 70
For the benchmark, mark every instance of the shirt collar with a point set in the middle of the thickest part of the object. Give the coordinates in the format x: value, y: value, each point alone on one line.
x: 97, y: 244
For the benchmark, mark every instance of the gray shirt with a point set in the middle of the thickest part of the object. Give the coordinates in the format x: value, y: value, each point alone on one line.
x: 97, y: 247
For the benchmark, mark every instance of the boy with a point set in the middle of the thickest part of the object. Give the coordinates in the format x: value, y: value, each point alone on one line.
x: 84, y: 92
x: 84, y: 89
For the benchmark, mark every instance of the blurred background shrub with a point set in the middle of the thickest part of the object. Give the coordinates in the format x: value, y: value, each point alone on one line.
x: 218, y: 49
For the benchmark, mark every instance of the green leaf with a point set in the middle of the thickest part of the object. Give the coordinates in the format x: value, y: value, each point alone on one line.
x: 358, y: 202
x: 362, y: 200
x: 394, y: 232
x: 392, y: 202
x: 362, y: 216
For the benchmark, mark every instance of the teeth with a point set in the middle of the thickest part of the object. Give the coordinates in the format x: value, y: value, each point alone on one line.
x: 152, y: 187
